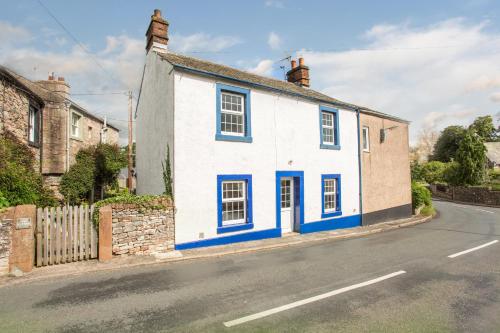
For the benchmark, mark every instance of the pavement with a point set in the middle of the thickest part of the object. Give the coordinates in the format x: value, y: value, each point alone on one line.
x: 289, y: 239
x: 440, y: 276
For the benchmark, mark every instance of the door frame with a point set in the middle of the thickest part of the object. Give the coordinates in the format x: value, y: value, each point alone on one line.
x: 295, y: 175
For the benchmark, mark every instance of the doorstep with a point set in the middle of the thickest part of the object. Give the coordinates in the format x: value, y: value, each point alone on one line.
x: 289, y: 239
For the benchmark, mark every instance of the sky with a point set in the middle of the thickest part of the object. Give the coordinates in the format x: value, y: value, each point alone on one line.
x: 434, y: 63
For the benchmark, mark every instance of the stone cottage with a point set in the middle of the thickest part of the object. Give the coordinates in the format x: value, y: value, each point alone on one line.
x: 42, y: 115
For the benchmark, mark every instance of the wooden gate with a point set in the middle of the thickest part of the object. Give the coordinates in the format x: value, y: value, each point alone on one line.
x: 65, y: 235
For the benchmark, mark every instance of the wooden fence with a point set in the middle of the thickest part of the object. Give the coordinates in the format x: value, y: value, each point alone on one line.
x: 65, y: 235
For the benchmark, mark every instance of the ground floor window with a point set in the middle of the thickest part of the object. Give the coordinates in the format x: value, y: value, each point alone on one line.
x: 234, y: 194
x: 331, y: 195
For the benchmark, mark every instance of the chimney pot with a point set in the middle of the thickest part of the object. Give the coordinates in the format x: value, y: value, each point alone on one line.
x: 60, y: 78
x: 298, y: 75
x: 157, y: 33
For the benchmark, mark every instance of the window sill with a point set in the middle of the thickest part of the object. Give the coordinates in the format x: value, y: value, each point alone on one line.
x: 331, y: 214
x: 77, y: 138
x: 332, y: 147
x: 233, y: 138
x: 365, y: 151
x: 33, y: 144
x: 233, y: 228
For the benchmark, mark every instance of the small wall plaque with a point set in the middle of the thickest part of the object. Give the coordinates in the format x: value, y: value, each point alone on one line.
x: 23, y: 223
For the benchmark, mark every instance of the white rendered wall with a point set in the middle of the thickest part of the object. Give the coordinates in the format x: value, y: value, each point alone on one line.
x: 286, y: 136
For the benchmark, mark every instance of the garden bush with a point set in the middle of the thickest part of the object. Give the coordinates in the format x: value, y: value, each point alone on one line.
x: 20, y: 183
x: 420, y: 195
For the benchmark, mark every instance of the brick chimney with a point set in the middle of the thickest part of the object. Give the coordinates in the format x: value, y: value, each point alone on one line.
x: 157, y: 34
x: 298, y: 74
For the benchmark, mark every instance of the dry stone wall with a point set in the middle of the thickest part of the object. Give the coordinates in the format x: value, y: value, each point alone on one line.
x: 5, y: 240
x: 142, y: 231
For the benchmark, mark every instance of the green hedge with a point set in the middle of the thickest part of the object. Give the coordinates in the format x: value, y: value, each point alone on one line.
x: 420, y: 195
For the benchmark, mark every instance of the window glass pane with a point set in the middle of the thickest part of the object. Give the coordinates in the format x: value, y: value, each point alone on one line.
x: 285, y: 193
x: 330, y: 193
x: 233, y: 202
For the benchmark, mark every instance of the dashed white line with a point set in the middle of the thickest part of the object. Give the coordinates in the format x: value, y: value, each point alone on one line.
x: 473, y: 249
x: 309, y: 300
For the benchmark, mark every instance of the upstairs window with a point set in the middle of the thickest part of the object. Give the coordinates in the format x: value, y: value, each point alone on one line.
x: 34, y: 125
x: 76, y: 120
x: 233, y: 114
x: 234, y: 194
x: 331, y: 190
x: 366, y: 139
x: 329, y: 128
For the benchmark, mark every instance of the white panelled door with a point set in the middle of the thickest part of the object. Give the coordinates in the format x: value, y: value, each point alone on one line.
x: 287, y: 211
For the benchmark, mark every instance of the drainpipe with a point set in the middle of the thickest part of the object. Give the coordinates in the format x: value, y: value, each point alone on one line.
x: 68, y: 129
x: 360, y: 168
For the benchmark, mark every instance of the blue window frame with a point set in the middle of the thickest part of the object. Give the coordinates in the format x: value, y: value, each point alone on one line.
x: 331, y: 198
x: 233, y: 114
x: 329, y: 128
x: 234, y: 203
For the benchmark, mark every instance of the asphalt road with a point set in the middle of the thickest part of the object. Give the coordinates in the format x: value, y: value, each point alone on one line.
x: 436, y: 294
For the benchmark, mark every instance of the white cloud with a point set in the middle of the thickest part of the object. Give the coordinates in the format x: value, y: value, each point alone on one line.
x: 274, y: 41
x: 122, y: 60
x: 275, y: 4
x: 435, y: 76
x: 12, y: 34
x: 202, y: 42
x: 264, y: 67
x: 495, y: 97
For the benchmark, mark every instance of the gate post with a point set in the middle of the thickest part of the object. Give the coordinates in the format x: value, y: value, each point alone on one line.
x: 23, y: 239
x: 105, y: 233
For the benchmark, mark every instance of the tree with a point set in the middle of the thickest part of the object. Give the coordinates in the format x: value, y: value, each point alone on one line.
x: 422, y: 151
x: 447, y: 144
x: 484, y: 127
x: 95, y: 166
x: 167, y: 175
x: 471, y: 156
x: 432, y: 172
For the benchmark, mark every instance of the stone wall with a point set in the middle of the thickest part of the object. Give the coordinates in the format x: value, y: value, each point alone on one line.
x: 142, y: 231
x: 14, y: 112
x: 475, y: 195
x: 5, y: 240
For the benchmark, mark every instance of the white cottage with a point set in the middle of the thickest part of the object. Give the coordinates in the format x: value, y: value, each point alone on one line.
x: 252, y: 157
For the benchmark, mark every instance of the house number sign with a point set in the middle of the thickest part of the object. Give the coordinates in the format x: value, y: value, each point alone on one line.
x: 23, y: 223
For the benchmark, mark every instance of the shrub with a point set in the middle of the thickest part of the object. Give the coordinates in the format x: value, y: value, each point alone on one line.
x: 95, y: 165
x: 420, y: 195
x: 432, y: 172
x: 428, y: 211
x: 19, y: 182
x: 451, y: 173
x: 3, y: 201
x: 416, y: 171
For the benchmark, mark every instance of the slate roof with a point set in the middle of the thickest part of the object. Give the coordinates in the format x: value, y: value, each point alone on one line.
x: 222, y: 71
x: 43, y: 95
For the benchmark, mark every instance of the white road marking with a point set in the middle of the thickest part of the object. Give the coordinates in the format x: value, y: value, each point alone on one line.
x: 478, y: 209
x: 308, y: 300
x: 473, y: 249
x: 484, y: 210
